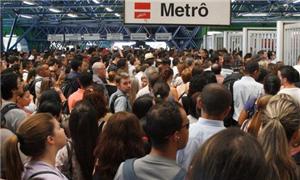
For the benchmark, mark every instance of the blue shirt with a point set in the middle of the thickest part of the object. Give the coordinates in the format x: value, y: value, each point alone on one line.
x: 121, y: 103
x: 199, y: 132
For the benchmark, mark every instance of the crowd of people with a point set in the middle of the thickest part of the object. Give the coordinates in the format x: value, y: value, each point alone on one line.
x: 149, y: 114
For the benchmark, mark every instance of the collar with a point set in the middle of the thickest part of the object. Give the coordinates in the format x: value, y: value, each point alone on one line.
x: 210, y: 122
x: 247, y: 77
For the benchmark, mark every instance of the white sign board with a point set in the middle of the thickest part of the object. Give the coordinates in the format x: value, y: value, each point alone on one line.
x: 138, y: 36
x: 91, y: 37
x: 55, y: 37
x: 163, y: 36
x: 192, y: 12
x: 73, y: 37
x: 114, y: 36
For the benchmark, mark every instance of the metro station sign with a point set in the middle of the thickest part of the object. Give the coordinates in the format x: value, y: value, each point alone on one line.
x: 181, y: 12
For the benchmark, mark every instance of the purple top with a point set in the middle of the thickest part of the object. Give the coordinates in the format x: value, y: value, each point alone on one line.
x: 50, y: 172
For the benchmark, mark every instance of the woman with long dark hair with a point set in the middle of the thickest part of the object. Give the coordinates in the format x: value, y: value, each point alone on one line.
x: 120, y: 139
x: 76, y: 159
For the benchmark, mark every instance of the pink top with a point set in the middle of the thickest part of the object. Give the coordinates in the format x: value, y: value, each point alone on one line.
x: 74, y: 98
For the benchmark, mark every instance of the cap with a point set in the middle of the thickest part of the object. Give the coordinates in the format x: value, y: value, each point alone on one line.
x: 149, y: 56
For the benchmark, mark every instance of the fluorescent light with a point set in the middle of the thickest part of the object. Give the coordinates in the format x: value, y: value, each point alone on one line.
x: 295, y: 14
x: 26, y: 16
x: 29, y: 3
x: 297, y: 1
x: 117, y: 14
x: 254, y: 14
x: 108, y: 9
x: 72, y: 15
x: 96, y: 1
x: 54, y: 10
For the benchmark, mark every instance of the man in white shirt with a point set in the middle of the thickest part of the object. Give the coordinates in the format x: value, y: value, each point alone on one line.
x: 289, y: 76
x: 246, y: 88
x: 215, y: 104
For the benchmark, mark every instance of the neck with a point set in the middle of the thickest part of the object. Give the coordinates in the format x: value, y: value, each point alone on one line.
x: 211, y: 117
x: 288, y: 85
x: 167, y: 152
x: 47, y: 157
x: 13, y: 99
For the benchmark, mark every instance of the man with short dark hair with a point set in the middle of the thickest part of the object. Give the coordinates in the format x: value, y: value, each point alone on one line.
x: 85, y: 80
x: 289, y: 77
x: 167, y: 126
x: 11, y: 87
x: 246, y: 88
x: 119, y: 100
x: 215, y: 104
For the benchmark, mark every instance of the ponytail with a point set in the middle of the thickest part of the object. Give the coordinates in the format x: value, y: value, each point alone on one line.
x: 13, y: 163
x: 275, y: 145
x: 280, y: 120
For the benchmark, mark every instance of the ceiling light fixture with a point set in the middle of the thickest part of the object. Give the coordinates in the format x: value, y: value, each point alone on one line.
x: 297, y: 1
x: 26, y: 16
x: 108, y: 9
x: 72, y: 15
x: 254, y: 14
x: 29, y: 3
x: 117, y: 14
x: 96, y: 1
x: 54, y: 10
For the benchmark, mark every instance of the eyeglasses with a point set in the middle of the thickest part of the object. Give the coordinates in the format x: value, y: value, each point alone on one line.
x: 187, y: 126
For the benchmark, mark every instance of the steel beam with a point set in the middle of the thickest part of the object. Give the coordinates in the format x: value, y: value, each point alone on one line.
x: 12, y: 31
x: 1, y: 32
x: 23, y: 35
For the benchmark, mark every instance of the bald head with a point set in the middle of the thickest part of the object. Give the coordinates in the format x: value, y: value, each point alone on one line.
x: 215, y: 99
x: 99, y: 69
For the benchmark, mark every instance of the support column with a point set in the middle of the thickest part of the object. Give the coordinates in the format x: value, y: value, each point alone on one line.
x: 245, y: 42
x: 12, y: 31
x: 280, y: 42
x: 1, y: 32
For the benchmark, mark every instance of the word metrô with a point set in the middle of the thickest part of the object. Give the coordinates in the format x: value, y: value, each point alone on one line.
x: 169, y: 9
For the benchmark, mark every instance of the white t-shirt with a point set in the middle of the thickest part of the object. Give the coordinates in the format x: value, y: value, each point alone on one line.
x: 294, y: 92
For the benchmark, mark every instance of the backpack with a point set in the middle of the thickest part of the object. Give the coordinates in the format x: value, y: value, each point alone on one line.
x: 129, y: 174
x: 112, y: 104
x: 31, y: 87
x: 228, y: 84
x: 69, y: 86
x: 4, y: 110
x: 230, y: 79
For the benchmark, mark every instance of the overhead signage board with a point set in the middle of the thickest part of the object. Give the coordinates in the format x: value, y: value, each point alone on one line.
x: 91, y: 37
x: 114, y: 36
x: 190, y: 12
x: 73, y: 37
x: 55, y: 37
x: 163, y: 36
x: 138, y: 36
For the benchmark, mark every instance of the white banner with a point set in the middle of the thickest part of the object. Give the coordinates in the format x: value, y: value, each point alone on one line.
x: 55, y: 37
x: 73, y: 37
x: 193, y: 12
x: 91, y: 37
x: 114, y: 36
x: 163, y: 36
x: 138, y: 36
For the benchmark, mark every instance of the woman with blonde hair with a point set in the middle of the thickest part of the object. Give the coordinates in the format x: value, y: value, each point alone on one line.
x: 40, y: 137
x: 279, y: 135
